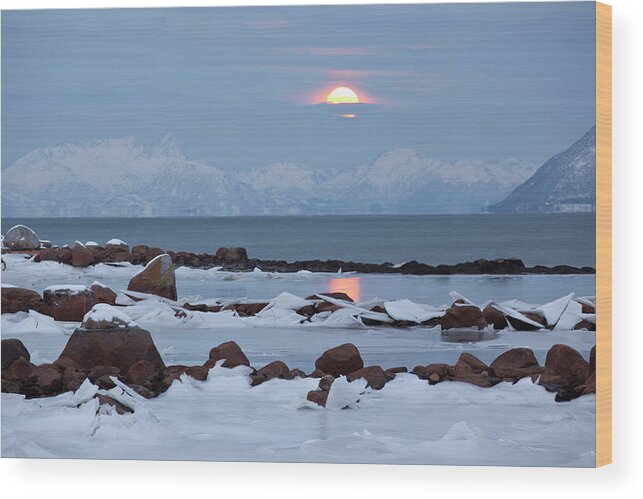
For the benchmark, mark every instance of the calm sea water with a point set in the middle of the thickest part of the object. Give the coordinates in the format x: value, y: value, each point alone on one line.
x: 549, y: 239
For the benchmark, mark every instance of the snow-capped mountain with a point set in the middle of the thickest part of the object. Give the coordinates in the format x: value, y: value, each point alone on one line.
x: 565, y: 183
x: 122, y: 177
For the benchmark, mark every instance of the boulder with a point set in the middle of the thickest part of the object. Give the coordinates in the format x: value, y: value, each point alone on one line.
x: 156, y: 278
x: 106, y: 401
x: 82, y: 257
x: 520, y: 325
x: 12, y: 350
x: 44, y: 380
x: 152, y: 253
x: 442, y: 371
x: 20, y: 237
x: 326, y: 381
x: 515, y: 364
x: 67, y: 303
x: 397, y: 370
x: 232, y: 255
x: 420, y: 371
x: 120, y: 348
x: 565, y: 369
x: 340, y: 360
x: 339, y: 295
x: 295, y: 373
x: 142, y: 373
x: 19, y: 370
x: 318, y: 397
x: 494, y: 317
x: 276, y: 369
x: 19, y: 300
x: 103, y: 316
x: 229, y: 351
x: 468, y: 363
x: 103, y: 294
x: 246, y: 309
x: 48, y: 255
x: 463, y: 317
x: 375, y: 376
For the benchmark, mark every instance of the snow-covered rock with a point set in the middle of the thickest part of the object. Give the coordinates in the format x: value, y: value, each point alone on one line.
x: 21, y: 237
x: 104, y: 316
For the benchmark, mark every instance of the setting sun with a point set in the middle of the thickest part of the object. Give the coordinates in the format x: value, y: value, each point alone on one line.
x: 342, y: 95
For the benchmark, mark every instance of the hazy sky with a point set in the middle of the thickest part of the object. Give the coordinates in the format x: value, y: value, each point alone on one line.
x: 238, y: 86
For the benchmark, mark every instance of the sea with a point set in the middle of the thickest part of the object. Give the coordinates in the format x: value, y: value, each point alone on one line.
x: 537, y: 239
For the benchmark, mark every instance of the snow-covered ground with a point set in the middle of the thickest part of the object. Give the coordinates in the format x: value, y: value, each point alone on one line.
x: 223, y: 418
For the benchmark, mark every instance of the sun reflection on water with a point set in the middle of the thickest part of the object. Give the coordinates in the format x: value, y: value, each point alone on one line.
x: 349, y: 285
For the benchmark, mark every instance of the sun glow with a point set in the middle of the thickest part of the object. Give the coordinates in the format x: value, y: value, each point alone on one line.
x: 342, y: 95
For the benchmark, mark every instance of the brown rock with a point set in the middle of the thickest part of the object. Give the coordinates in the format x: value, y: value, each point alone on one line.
x: 72, y: 379
x: 101, y: 371
x: 337, y: 296
x: 565, y: 369
x: 276, y: 369
x: 48, y: 255
x: 229, y: 351
x: 109, y: 401
x: 65, y: 364
x: 375, y: 376
x: 67, y: 304
x: 443, y: 371
x: 232, y: 255
x: 199, y: 373
x: 246, y: 309
x: 494, y: 317
x: 47, y: 379
x: 152, y: 253
x: 420, y: 372
x: 19, y: 300
x: 103, y: 294
x: 82, y: 257
x: 463, y: 317
x: 326, y: 381
x: 319, y: 397
x: 156, y: 278
x: 585, y: 324
x: 521, y: 325
x: 340, y: 360
x: 515, y: 364
x: 19, y: 370
x: 317, y: 373
x: 20, y: 237
x: 479, y: 379
x: 120, y: 348
x: 141, y: 373
x: 397, y: 370
x: 468, y: 363
x: 434, y: 379
x: 12, y: 350
x: 295, y: 373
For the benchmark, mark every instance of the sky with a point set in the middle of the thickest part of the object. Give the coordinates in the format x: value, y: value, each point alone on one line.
x: 241, y: 87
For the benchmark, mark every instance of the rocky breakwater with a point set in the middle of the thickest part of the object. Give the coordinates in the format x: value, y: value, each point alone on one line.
x: 236, y: 259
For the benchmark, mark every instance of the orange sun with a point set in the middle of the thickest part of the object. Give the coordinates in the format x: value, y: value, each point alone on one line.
x: 342, y: 95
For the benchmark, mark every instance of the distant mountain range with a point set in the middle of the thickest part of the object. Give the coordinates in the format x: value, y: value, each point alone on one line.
x: 565, y: 183
x: 122, y: 177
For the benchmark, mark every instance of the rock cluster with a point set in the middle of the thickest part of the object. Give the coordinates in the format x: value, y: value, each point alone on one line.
x: 130, y: 356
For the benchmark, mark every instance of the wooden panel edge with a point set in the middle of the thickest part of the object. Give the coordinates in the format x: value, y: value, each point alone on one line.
x: 603, y: 234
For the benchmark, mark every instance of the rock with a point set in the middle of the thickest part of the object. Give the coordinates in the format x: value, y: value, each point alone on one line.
x: 19, y: 370
x: 318, y: 397
x: 12, y: 350
x: 326, y: 381
x: 199, y: 373
x: 340, y: 360
x: 139, y: 253
x: 565, y: 369
x: 443, y: 371
x: 141, y: 373
x: 48, y: 255
x: 232, y: 255
x: 103, y: 316
x: 46, y: 380
x: 397, y: 370
x: 468, y: 363
x: 65, y: 364
x: 19, y: 300
x: 116, y: 244
x: 592, y: 359
x: 295, y: 373
x: 317, y: 373
x: 10, y: 386
x: 104, y: 400
x: 20, y: 237
x: 229, y: 351
x: 420, y: 372
x: 434, y: 379
x: 515, y: 364
x: 494, y: 317
x: 585, y: 324
x: 82, y: 257
x: 120, y: 348
x: 246, y: 309
x: 152, y: 253
x: 337, y: 296
x: 482, y: 380
x: 67, y: 303
x: 375, y: 376
x: 463, y: 317
x: 520, y: 325
x: 101, y: 371
x: 103, y: 294
x: 72, y: 379
x: 276, y: 369
x: 105, y: 382
x: 156, y: 278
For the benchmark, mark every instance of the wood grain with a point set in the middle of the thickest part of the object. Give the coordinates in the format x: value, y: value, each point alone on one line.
x: 603, y: 234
